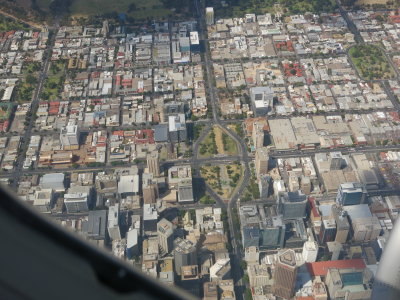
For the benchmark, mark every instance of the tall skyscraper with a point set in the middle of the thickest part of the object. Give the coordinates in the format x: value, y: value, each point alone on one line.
x: 351, y: 193
x: 263, y: 185
x: 310, y: 251
x: 327, y: 232
x: 165, y: 233
x: 153, y: 163
x: 258, y: 134
x: 285, y: 274
x: 185, y: 254
x: 149, y: 188
x: 342, y: 224
x: 69, y: 136
x: 261, y: 161
x: 292, y: 205
x: 113, y: 223
x: 209, y: 15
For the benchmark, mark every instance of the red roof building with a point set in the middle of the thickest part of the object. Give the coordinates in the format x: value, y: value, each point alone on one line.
x: 321, y: 268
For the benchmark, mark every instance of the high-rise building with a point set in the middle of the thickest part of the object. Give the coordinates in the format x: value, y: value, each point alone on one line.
x: 262, y: 99
x: 221, y: 270
x: 153, y: 163
x: 177, y: 128
x: 263, y: 185
x: 128, y: 185
x: 209, y: 15
x: 252, y: 254
x: 319, y: 289
x: 190, y: 279
x: 342, y: 224
x: 150, y: 216
x: 335, y: 249
x: 166, y: 274
x: 194, y: 41
x: 149, y: 188
x: 292, y: 205
x: 310, y: 251
x: 185, y: 191
x: 165, y: 231
x: 305, y: 184
x: 105, y: 28
x: 95, y: 227
x: 349, y: 283
x: 76, y: 202
x: 69, y: 136
x: 77, y: 199
x: 43, y: 199
x: 285, y: 274
x: 327, y: 232
x: 258, y: 134
x: 261, y: 161
x: 185, y: 254
x: 366, y: 229
x: 210, y: 291
x: 132, y: 243
x: 113, y: 223
x: 351, y: 193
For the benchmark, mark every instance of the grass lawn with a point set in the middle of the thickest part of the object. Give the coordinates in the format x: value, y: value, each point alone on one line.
x: 206, y: 199
x: 237, y: 128
x: 54, y: 82
x: 217, y: 142
x: 28, y: 83
x: 225, y: 144
x: 370, y: 62
x: 141, y: 9
x: 208, y: 147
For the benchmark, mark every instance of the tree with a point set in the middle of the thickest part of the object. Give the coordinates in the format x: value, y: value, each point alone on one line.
x: 30, y: 79
x: 132, y: 7
x: 246, y: 278
x: 248, y: 295
x: 243, y: 264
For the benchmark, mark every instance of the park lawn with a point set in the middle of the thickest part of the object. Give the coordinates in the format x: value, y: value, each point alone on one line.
x: 225, y: 144
x: 212, y: 176
x: 229, y: 145
x: 143, y: 8
x: 370, y: 62
x: 217, y: 142
x: 208, y: 147
x: 237, y: 128
x: 223, y: 179
x: 54, y: 82
x: 206, y: 199
x: 28, y: 83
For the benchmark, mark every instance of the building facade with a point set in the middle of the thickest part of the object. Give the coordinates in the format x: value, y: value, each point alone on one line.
x: 285, y: 274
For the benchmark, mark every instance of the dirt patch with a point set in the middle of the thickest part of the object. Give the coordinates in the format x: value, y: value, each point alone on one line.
x: 371, y: 2
x: 218, y: 140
